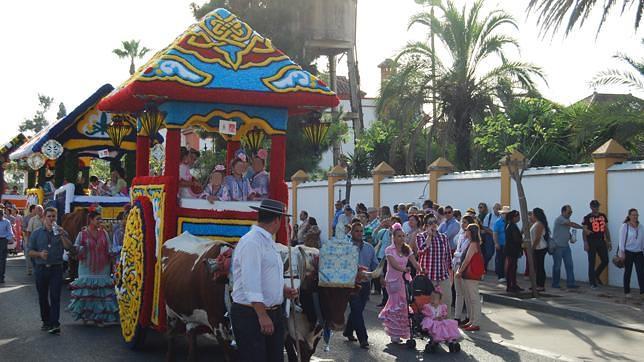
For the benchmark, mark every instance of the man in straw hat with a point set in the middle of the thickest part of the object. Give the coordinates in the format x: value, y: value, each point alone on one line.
x: 259, y: 290
x: 499, y: 243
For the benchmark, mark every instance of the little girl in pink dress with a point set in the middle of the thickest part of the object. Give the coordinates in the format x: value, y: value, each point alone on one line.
x: 436, y: 323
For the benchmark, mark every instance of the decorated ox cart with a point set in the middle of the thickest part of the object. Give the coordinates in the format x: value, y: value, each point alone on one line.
x: 64, y: 148
x: 221, y: 76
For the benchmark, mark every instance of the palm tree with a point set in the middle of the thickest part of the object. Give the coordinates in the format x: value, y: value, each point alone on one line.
x: 553, y: 13
x: 632, y: 79
x: 130, y: 49
x: 471, y: 41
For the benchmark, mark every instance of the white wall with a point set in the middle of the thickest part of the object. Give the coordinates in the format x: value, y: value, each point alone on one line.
x: 625, y: 191
x: 552, y: 187
x: 548, y: 188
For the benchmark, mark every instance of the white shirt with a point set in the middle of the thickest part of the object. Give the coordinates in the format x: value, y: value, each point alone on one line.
x: 633, y: 240
x: 258, y: 271
x: 490, y: 219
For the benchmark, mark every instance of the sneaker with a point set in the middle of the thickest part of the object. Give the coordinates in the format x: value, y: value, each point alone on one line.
x: 594, y: 287
x: 45, y: 327
x: 502, y: 280
x: 54, y: 330
x: 364, y: 345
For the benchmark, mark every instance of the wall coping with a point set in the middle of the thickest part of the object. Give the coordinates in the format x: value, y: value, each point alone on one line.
x: 627, y: 166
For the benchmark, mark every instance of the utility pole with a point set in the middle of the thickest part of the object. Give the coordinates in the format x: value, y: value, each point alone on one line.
x: 434, y: 120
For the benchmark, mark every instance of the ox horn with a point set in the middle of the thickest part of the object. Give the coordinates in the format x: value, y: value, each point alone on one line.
x: 378, y: 271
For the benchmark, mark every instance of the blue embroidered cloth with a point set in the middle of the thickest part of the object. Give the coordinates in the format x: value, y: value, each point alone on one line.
x: 338, y: 265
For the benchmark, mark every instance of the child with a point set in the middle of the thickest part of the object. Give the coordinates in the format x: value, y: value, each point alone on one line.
x: 215, y: 191
x: 436, y: 323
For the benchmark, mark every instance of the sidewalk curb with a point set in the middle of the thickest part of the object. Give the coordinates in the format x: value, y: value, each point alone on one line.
x: 543, y: 307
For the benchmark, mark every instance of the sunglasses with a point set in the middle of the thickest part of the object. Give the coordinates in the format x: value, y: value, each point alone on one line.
x: 448, y: 212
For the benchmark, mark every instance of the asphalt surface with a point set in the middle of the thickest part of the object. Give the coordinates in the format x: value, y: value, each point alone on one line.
x: 22, y: 340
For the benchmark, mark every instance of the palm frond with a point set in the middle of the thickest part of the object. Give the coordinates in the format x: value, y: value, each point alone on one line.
x: 619, y: 77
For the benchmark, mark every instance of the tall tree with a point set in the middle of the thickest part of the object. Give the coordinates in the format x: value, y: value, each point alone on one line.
x: 38, y: 121
x: 552, y: 14
x: 131, y: 49
x: 470, y: 67
x: 62, y: 111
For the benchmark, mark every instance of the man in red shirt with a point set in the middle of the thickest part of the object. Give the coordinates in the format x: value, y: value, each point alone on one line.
x: 435, y: 257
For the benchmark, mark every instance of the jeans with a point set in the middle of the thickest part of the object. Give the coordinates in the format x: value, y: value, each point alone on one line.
x: 49, y: 281
x: 563, y: 253
x: 355, y: 322
x: 631, y: 258
x: 488, y: 250
x: 539, y: 267
x: 596, y: 248
x: 3, y: 257
x: 499, y: 267
x: 252, y: 344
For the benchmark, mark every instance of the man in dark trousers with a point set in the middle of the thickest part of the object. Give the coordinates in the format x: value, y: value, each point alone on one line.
x: 366, y: 258
x: 596, y: 242
x: 258, y: 293
x: 46, y: 246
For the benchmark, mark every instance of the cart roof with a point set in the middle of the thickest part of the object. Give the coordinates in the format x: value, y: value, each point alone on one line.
x: 221, y: 59
x: 83, y: 130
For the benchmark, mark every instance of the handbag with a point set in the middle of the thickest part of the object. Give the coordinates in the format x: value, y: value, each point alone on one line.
x: 476, y: 268
x: 552, y: 246
x: 617, y: 261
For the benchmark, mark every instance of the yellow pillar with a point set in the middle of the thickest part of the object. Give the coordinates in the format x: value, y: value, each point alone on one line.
x: 605, y: 156
x: 506, y: 184
x: 437, y: 169
x: 299, y: 177
x: 382, y: 171
x: 336, y: 174
x: 506, y: 180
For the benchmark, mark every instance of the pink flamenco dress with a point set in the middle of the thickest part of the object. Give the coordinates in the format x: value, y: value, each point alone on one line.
x: 441, y: 330
x: 395, y: 314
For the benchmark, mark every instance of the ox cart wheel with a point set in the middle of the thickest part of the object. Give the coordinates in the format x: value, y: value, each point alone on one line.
x: 131, y: 276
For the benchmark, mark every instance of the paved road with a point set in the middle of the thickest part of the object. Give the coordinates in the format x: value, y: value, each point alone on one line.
x: 21, y: 339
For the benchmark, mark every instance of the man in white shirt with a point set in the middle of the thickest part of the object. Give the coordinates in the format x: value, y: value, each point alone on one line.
x: 258, y: 288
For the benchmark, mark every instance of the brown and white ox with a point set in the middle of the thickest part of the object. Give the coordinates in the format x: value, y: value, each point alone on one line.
x: 73, y: 223
x: 194, y: 279
x: 302, y: 327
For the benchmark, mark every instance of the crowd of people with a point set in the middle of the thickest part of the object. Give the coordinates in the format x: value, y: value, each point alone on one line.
x: 89, y: 261
x: 442, y: 243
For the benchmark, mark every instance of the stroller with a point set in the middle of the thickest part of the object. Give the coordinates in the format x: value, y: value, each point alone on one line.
x: 419, y: 292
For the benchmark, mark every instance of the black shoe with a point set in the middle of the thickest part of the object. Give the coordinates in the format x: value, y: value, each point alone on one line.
x: 364, y: 345
x: 54, y: 330
x: 463, y: 322
x: 45, y: 327
x: 381, y: 305
x: 350, y: 337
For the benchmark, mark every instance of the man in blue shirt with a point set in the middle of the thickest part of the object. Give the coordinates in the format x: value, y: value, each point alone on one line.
x: 450, y: 227
x: 6, y: 235
x: 499, y: 243
x: 357, y: 302
x: 46, y: 247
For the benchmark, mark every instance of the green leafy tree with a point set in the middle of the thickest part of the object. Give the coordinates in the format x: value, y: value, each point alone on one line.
x: 552, y: 14
x: 100, y: 168
x: 132, y: 50
x: 38, y: 121
x: 536, y: 127
x: 62, y: 111
x: 470, y: 66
